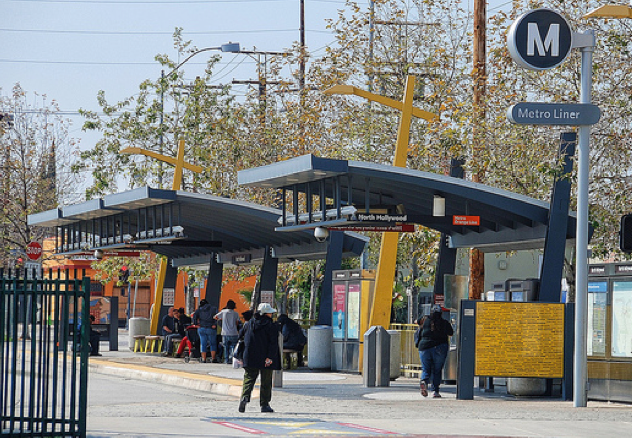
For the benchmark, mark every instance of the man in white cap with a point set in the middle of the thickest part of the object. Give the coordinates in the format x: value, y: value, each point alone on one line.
x: 261, y: 356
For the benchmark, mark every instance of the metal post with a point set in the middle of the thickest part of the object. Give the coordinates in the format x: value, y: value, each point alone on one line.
x: 581, y: 275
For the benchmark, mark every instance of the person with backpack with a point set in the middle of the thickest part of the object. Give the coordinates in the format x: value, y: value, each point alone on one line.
x: 431, y: 338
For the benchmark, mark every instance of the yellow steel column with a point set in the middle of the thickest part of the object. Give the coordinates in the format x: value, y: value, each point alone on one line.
x: 380, y: 308
x: 155, y: 315
x: 180, y: 165
x: 382, y: 298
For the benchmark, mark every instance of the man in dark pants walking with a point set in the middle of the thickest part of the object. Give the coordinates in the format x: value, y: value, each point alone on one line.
x: 261, y: 356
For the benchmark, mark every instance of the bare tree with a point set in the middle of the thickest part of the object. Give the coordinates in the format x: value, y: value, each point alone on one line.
x: 35, y: 157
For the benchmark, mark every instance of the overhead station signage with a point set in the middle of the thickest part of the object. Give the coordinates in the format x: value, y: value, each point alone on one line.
x: 396, y: 228
x: 540, y: 40
x: 531, y: 113
x: 466, y: 220
x: 378, y: 222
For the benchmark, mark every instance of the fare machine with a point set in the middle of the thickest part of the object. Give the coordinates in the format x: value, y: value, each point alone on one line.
x: 352, y: 297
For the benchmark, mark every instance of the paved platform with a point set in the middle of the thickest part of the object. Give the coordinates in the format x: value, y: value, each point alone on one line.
x: 324, y: 403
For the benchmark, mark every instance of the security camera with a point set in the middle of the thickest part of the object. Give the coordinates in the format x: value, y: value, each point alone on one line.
x: 321, y: 233
x: 98, y: 254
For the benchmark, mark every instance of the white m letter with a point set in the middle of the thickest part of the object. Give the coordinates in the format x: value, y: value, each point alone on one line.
x: 552, y: 40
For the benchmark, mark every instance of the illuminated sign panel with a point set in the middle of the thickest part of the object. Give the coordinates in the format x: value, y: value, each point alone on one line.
x: 466, y: 220
x: 519, y: 339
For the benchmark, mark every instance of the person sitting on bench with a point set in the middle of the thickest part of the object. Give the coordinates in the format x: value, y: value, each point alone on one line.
x: 293, y: 336
x: 95, y: 337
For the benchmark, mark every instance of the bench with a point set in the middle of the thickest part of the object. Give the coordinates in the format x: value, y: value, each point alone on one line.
x: 108, y: 333
x: 153, y: 343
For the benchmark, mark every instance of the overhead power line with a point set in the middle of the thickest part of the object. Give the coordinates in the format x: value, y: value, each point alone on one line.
x: 167, y: 2
x: 141, y: 33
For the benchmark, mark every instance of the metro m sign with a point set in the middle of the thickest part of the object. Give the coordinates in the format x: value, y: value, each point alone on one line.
x: 540, y: 39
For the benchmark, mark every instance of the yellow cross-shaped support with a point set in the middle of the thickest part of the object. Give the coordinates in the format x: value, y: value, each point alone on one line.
x: 178, y: 162
x: 382, y: 298
x: 179, y: 165
x: 610, y: 11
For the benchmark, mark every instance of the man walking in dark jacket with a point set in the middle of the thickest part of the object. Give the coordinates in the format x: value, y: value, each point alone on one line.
x: 261, y: 356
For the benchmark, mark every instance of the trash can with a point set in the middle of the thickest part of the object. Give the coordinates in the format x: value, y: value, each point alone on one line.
x: 137, y: 326
x: 396, y: 353
x: 319, y: 339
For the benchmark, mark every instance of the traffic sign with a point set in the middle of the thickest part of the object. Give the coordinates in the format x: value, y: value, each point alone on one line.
x: 572, y: 114
x: 34, y: 250
x: 540, y: 39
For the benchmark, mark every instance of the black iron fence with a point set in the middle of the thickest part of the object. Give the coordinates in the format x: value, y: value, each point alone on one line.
x: 43, y: 354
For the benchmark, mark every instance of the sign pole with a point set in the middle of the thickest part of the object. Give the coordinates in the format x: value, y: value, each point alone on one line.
x: 580, y: 375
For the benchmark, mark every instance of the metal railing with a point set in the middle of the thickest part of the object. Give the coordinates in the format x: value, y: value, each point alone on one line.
x: 409, y: 358
x: 43, y: 354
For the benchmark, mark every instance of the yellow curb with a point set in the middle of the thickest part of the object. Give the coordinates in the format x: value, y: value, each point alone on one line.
x: 202, y: 382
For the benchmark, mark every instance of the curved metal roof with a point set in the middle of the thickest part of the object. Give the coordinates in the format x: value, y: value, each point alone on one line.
x: 508, y: 221
x: 188, y: 227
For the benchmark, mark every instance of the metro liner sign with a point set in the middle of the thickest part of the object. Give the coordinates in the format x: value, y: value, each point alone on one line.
x: 540, y: 40
x: 533, y: 113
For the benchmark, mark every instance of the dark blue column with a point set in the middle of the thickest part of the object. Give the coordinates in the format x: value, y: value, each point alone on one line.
x: 333, y: 262
x: 555, y: 243
x: 214, y: 282
x: 446, y: 260
x: 268, y: 277
x: 467, y: 351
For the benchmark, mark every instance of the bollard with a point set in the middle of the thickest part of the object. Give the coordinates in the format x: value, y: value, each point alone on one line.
x: 396, y: 353
x: 277, y: 375
x: 368, y: 362
x: 376, y: 364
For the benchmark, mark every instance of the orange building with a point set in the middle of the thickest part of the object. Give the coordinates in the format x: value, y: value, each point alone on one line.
x: 141, y: 295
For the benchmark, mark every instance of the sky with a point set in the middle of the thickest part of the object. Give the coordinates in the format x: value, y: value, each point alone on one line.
x: 68, y: 50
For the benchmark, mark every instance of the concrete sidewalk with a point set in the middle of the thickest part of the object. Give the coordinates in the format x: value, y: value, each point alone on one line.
x: 398, y: 409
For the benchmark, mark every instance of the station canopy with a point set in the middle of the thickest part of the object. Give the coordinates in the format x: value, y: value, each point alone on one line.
x: 365, y: 196
x: 187, y: 227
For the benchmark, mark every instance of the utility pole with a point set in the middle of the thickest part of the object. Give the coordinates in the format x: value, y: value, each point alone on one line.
x: 301, y: 60
x: 477, y: 258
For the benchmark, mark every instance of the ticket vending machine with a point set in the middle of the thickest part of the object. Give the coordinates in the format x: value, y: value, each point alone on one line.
x: 523, y: 290
x: 455, y: 289
x: 352, y: 297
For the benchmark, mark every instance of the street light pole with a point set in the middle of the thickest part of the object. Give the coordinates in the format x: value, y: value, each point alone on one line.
x: 228, y: 47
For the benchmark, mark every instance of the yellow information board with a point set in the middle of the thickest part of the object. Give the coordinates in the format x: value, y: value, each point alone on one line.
x: 519, y: 339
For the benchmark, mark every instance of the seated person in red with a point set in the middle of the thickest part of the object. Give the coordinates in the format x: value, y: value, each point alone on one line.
x: 181, y: 322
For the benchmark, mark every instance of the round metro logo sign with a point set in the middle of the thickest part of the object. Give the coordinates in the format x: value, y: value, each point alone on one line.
x: 540, y: 39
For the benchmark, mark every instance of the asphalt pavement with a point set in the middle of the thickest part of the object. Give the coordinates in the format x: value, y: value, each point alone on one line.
x: 324, y: 403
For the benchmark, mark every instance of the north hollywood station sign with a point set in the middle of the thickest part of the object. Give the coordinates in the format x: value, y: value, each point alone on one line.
x: 397, y: 223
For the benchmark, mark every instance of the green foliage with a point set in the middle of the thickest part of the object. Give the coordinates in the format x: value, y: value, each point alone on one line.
x: 140, y: 268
